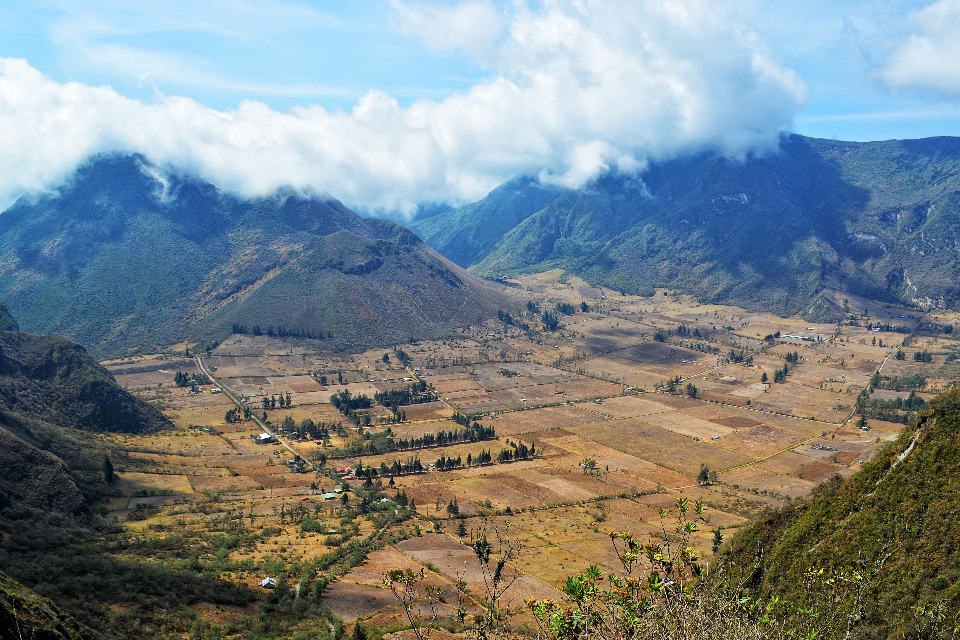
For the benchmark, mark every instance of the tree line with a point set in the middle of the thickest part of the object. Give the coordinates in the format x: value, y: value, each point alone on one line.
x: 279, y: 332
x: 417, y: 393
x: 184, y: 379
x: 273, y: 402
x: 385, y: 442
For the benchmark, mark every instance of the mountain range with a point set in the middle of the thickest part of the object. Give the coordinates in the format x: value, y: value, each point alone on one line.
x: 127, y: 258
x: 791, y: 232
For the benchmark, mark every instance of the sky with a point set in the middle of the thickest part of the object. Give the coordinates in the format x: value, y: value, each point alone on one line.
x: 389, y: 105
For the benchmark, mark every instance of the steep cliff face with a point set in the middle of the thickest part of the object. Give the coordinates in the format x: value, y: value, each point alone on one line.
x: 33, y: 477
x: 7, y: 323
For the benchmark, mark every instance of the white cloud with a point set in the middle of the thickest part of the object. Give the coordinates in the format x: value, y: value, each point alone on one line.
x: 929, y: 59
x: 582, y: 86
x: 472, y: 26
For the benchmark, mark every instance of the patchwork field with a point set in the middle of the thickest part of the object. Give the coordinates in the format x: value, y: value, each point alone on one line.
x: 628, y: 406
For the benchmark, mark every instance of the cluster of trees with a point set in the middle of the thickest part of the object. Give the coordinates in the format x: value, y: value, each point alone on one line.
x: 352, y: 406
x: 895, y: 410
x: 507, y: 318
x: 706, y: 476
x: 890, y: 328
x: 670, y: 386
x: 233, y: 416
x: 922, y: 356
x: 445, y: 464
x: 402, y: 356
x: 898, y: 383
x: 740, y: 357
x: 183, y: 379
x: 398, y: 468
x: 551, y: 322
x: 683, y: 330
x: 416, y: 393
x: 345, y: 402
x: 279, y: 332
x: 385, y: 442
x: 273, y: 401
x: 566, y: 308
x: 780, y: 375
x: 462, y: 419
x: 701, y: 347
x: 771, y: 337
x: 517, y: 451
x: 310, y: 429
x: 474, y: 433
x: 792, y: 358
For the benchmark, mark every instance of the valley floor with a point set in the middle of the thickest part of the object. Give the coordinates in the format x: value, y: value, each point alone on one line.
x: 612, y: 446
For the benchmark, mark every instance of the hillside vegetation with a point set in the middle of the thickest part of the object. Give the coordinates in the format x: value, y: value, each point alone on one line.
x: 877, y: 219
x: 53, y: 379
x: 53, y: 480
x: 24, y: 614
x: 894, y: 523
x: 124, y: 259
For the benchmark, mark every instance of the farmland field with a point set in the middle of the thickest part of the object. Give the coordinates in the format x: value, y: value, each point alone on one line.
x: 628, y: 406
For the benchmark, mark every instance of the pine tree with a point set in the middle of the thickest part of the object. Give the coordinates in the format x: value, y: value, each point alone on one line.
x: 359, y: 633
x: 107, y: 470
x: 704, y: 476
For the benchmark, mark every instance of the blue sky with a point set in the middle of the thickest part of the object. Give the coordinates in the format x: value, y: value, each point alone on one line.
x: 389, y: 104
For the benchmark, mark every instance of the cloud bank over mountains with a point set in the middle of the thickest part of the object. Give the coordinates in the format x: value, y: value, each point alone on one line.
x: 573, y: 88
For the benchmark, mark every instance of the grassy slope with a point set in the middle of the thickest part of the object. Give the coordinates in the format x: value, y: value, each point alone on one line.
x: 909, y: 509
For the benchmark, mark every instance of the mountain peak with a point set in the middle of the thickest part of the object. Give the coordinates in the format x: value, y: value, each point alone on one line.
x: 127, y: 258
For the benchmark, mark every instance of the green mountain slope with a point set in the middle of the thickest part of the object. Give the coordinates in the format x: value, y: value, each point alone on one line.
x: 124, y: 259
x: 24, y: 614
x: 52, y: 379
x: 902, y: 509
x: 54, y: 402
x: 467, y: 234
x: 879, y: 219
x: 32, y: 476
